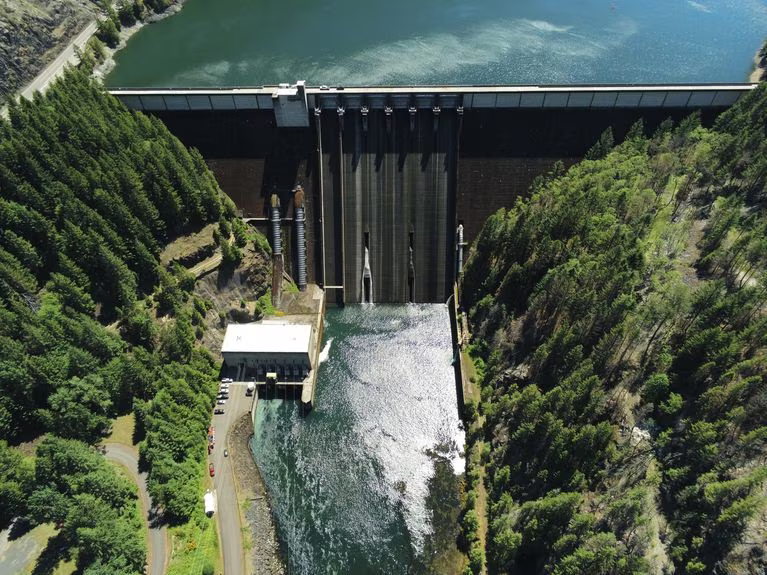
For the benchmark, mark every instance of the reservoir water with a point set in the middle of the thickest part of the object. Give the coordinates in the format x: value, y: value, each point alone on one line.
x: 400, y: 42
x: 354, y: 484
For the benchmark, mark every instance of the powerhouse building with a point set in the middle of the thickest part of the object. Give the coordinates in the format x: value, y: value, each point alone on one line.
x: 256, y: 349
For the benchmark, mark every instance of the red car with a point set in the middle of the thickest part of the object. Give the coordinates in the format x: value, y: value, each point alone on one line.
x: 212, y: 470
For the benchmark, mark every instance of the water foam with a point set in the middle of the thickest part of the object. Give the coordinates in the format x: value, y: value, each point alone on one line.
x: 209, y: 74
x: 490, y: 45
x: 326, y: 350
x: 400, y: 435
x: 699, y: 7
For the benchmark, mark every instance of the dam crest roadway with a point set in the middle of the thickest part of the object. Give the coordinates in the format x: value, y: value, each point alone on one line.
x: 404, y: 97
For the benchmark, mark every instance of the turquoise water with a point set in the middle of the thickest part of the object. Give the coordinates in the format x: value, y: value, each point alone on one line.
x: 350, y: 482
x: 348, y: 42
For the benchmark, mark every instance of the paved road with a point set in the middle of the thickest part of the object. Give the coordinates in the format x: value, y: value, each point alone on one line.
x: 19, y: 555
x: 158, y: 537
x: 55, y: 68
x: 228, y: 513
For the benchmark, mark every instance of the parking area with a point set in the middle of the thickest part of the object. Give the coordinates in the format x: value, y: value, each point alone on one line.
x: 227, y: 514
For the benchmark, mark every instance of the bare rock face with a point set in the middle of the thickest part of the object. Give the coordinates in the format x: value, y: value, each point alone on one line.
x: 227, y: 292
x: 32, y: 33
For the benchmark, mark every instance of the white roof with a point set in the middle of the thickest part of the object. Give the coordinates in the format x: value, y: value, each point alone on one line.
x: 210, y: 502
x: 267, y: 338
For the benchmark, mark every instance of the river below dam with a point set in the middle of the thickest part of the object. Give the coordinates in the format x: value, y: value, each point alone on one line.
x: 368, y: 482
x: 400, y: 42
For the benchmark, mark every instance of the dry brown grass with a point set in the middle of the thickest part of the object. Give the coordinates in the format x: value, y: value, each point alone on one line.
x: 187, y: 245
x: 122, y: 430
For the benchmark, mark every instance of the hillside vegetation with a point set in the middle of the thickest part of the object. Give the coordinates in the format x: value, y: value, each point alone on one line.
x: 92, y: 325
x: 619, y: 330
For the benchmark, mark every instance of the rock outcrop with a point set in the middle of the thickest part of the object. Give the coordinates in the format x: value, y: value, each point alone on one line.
x: 32, y: 33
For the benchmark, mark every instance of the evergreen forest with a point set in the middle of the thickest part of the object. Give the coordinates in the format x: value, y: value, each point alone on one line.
x: 619, y: 343
x: 93, y: 326
x: 619, y: 340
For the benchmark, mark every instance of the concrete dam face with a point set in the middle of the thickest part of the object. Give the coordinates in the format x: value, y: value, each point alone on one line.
x: 388, y: 183
x: 390, y: 174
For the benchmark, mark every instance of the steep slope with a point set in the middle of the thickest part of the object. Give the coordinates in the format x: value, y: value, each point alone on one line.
x: 93, y: 325
x: 32, y: 32
x: 624, y: 360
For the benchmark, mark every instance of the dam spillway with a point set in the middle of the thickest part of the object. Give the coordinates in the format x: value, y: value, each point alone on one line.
x: 396, y: 170
x: 388, y: 186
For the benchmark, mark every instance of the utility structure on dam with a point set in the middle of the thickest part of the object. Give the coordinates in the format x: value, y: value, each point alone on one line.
x: 393, y: 182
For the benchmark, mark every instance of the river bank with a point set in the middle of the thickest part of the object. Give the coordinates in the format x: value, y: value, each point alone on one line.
x: 104, y: 68
x: 261, y: 547
x: 759, y: 66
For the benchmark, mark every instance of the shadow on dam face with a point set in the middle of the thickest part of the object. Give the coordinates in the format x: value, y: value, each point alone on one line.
x: 391, y: 182
x: 396, y: 180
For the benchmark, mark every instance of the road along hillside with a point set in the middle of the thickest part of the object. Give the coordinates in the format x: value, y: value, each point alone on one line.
x: 158, y: 536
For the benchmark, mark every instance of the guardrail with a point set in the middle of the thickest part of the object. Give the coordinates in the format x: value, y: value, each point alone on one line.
x: 442, y: 97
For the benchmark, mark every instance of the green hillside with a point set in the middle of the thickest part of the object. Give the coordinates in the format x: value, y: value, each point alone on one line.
x: 92, y: 325
x: 619, y: 324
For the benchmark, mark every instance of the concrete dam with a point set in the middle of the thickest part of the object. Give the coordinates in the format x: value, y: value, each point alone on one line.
x: 396, y: 180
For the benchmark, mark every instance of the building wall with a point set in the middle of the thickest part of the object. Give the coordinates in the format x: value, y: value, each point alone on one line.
x: 268, y: 362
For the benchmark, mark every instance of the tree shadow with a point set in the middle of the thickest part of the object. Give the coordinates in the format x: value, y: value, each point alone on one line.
x: 156, y: 519
x: 225, y: 274
x: 139, y: 432
x: 56, y: 550
x: 19, y: 527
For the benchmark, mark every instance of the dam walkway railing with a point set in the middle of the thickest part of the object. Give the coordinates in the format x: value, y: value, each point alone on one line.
x: 301, y: 98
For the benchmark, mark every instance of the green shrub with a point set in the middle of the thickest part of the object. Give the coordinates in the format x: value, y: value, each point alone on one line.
x: 470, y: 526
x: 126, y: 13
x: 107, y: 32
x: 224, y: 228
x: 476, y: 557
x: 264, y: 306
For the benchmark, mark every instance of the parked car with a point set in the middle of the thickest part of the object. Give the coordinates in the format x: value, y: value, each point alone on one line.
x: 218, y: 411
x: 221, y: 401
x: 212, y: 470
x: 226, y: 453
x: 227, y: 380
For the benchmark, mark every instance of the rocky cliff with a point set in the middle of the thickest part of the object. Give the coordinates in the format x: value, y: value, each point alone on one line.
x: 32, y: 32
